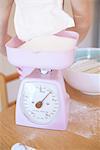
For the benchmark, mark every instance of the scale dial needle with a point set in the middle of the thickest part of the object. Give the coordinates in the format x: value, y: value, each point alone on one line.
x: 40, y: 103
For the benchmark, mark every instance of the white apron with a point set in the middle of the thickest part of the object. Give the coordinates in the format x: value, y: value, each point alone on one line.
x: 39, y: 18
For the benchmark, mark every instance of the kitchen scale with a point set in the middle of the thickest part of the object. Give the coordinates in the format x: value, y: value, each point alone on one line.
x: 42, y: 100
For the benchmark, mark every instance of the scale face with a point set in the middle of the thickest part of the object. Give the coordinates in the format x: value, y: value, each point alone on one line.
x: 39, y: 101
x: 42, y: 102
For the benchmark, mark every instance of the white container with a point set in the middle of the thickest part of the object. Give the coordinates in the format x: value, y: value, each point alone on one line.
x: 88, y: 83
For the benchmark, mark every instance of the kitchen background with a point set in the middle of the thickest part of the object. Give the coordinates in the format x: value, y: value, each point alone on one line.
x: 92, y: 40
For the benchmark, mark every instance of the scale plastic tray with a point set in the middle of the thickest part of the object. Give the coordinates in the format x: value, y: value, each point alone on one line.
x: 52, y: 60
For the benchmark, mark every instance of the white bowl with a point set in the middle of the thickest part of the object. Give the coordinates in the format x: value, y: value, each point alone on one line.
x: 88, y: 83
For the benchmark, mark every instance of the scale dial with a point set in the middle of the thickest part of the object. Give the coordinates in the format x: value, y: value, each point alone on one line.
x: 39, y: 101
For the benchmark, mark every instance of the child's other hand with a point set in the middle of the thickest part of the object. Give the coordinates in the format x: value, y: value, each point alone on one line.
x: 3, y: 41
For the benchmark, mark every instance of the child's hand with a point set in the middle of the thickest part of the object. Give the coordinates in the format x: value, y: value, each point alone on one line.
x: 82, y: 16
x: 5, y: 9
x: 3, y: 41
